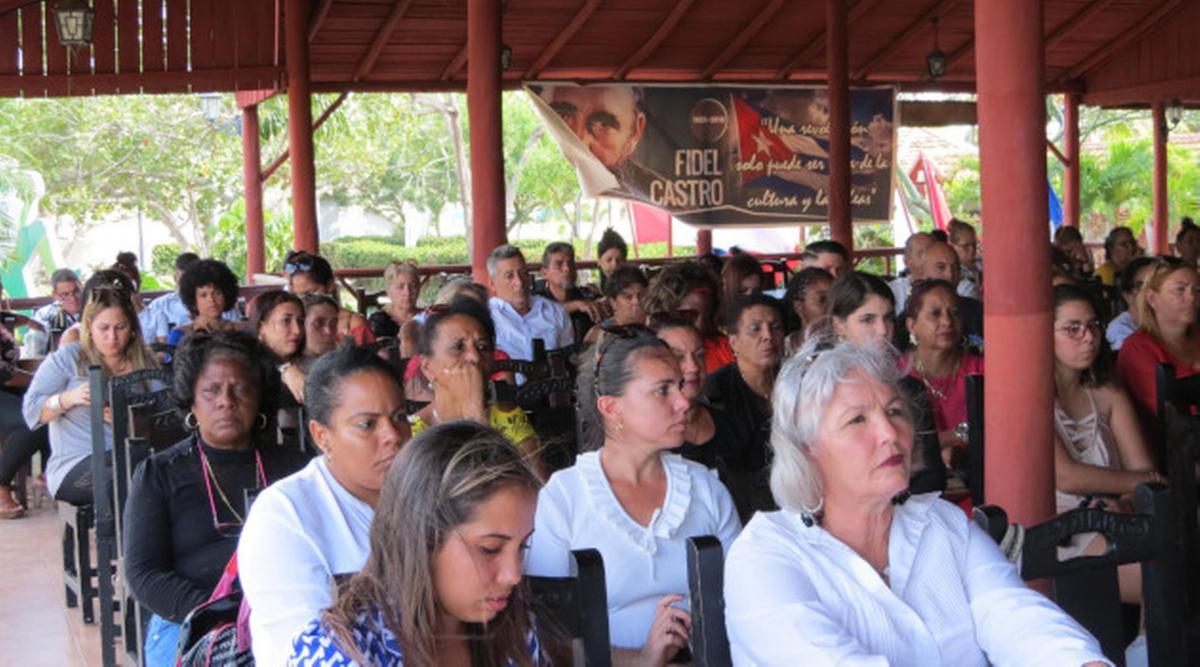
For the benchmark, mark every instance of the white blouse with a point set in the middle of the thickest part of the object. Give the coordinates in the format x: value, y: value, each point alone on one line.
x: 578, y: 510
x: 302, y: 530
x: 796, y: 595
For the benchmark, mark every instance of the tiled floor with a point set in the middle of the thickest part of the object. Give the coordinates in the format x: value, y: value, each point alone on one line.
x: 36, y: 628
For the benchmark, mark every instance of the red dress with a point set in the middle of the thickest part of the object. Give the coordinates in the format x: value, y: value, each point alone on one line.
x: 950, y: 407
x: 1137, y: 363
x: 717, y: 352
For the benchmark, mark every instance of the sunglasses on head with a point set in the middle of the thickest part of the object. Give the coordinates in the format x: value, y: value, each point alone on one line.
x: 607, y: 335
x: 298, y: 263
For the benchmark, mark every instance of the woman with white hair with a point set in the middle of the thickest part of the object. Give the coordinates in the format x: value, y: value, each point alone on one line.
x: 851, y: 569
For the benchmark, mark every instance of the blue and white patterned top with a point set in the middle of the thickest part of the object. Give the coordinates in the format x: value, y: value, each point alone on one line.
x: 315, y: 645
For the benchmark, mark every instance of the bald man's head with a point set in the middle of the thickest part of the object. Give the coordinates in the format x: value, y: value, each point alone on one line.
x: 938, y: 262
x: 914, y: 249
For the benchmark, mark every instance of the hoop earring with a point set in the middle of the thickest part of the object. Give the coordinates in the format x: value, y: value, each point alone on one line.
x: 811, y: 516
x: 190, y: 422
x: 262, y: 421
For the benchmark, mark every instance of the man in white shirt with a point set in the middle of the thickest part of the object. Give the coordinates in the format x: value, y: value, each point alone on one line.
x: 520, y: 316
x: 914, y: 255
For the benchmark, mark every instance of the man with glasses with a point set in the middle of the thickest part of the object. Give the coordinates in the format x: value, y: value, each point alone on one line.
x: 55, y: 317
x: 1130, y: 282
x: 519, y: 315
x: 966, y: 245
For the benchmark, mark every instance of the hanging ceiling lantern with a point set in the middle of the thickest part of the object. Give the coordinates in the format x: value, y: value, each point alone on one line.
x: 1174, y: 114
x: 936, y: 61
x: 505, y: 57
x: 74, y: 20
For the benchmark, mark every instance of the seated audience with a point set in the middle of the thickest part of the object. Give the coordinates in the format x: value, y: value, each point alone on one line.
x: 558, y: 285
x: 186, y: 504
x: 854, y: 571
x: 308, y: 273
x: 56, y: 317
x: 1099, y: 449
x: 403, y: 281
x: 103, y: 279
x: 1070, y: 240
x: 623, y: 290
x: 914, y: 253
x: 1187, y: 242
x: 861, y: 312
x: 1120, y: 247
x: 208, y: 290
x: 1130, y: 282
x: 940, y: 262
x: 305, y: 529
x: 442, y: 583
x: 278, y: 319
x: 828, y: 255
x: 18, y: 443
x: 611, y: 252
x: 689, y: 287
x: 59, y: 395
x: 937, y: 358
x: 808, y: 296
x: 1167, y: 334
x: 320, y: 328
x: 966, y: 245
x: 631, y: 499
x: 741, y: 275
x: 167, y: 311
x: 742, y: 390
x: 518, y: 315
x: 456, y: 356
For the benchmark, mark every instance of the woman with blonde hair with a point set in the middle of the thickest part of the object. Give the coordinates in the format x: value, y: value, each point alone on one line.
x: 442, y: 584
x: 59, y: 395
x: 402, y: 282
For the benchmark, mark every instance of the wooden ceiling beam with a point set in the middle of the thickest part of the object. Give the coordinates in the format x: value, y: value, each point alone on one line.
x: 1148, y: 23
x: 941, y: 8
x: 573, y: 26
x: 318, y: 18
x: 656, y: 39
x: 1081, y: 17
x: 815, y: 44
x: 367, y: 63
x: 739, y: 42
x: 454, y: 67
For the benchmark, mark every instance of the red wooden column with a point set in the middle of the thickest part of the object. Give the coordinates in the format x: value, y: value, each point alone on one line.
x: 1072, y: 167
x: 488, y: 213
x: 703, y: 241
x: 252, y: 182
x: 1018, y: 317
x: 838, y: 63
x: 300, y: 123
x: 1160, y: 244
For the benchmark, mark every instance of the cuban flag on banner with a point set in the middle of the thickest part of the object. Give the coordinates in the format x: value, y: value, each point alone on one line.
x: 756, y: 140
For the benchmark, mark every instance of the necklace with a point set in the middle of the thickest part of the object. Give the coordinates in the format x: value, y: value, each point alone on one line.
x: 939, y: 394
x: 210, y: 480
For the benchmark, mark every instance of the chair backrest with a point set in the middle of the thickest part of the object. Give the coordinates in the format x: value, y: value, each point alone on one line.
x: 575, y: 608
x: 1183, y: 453
x: 151, y: 389
x: 1183, y: 393
x: 975, y: 454
x: 706, y: 590
x: 992, y: 519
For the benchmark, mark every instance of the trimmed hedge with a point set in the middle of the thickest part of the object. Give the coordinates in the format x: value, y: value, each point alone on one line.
x: 354, y: 252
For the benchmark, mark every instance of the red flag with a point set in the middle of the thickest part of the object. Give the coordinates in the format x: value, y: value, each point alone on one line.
x: 650, y: 224
x: 756, y: 142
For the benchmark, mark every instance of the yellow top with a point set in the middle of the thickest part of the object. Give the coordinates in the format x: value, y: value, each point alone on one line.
x: 1107, y: 273
x: 512, y: 424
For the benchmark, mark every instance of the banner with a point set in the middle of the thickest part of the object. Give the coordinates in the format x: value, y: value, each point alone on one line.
x: 720, y: 156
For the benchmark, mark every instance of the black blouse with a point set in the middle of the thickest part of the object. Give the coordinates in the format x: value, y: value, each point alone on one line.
x: 174, y: 554
x: 744, y: 429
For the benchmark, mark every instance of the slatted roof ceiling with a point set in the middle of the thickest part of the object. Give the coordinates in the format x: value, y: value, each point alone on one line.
x: 1114, y: 51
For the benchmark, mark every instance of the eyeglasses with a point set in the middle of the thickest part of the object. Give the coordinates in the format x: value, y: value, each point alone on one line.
x: 68, y: 294
x: 1075, y: 330
x: 607, y: 335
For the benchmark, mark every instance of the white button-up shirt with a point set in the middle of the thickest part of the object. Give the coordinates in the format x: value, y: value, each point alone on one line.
x: 515, y: 332
x: 796, y: 595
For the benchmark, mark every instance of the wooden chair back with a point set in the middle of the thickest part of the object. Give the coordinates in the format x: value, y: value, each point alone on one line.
x: 706, y: 590
x: 975, y: 453
x: 574, y: 609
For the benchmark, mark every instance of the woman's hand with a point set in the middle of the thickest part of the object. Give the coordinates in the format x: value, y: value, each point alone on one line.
x: 293, y: 379
x: 73, y: 398
x: 459, y: 393
x: 668, y: 633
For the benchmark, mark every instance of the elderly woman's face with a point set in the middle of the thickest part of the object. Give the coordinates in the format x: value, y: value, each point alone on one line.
x: 365, y: 431
x: 320, y: 330
x: 759, y: 337
x: 460, y: 342
x: 938, y: 323
x: 283, y: 330
x: 210, y: 302
x: 863, y: 446
x: 689, y: 352
x: 871, y: 325
x: 226, y: 403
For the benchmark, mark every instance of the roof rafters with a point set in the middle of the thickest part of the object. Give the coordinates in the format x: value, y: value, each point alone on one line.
x: 318, y: 18
x: 941, y: 8
x: 1099, y: 56
x: 739, y: 42
x: 581, y: 16
x: 816, y: 43
x: 460, y: 59
x: 664, y: 29
x: 367, y: 63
